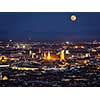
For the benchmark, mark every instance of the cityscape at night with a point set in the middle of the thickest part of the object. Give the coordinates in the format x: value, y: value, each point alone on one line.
x: 49, y: 49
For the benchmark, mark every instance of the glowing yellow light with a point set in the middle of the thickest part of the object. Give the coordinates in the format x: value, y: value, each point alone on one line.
x: 30, y: 52
x: 3, y: 59
x: 14, y: 67
x: 63, y: 65
x: 5, y: 78
x: 24, y: 46
x: 72, y: 56
x: 98, y: 68
x: 93, y: 50
x: 0, y: 57
x: 62, y: 57
x: 86, y: 61
x: 19, y: 68
x: 48, y: 56
x: 44, y: 67
x: 82, y: 47
x: 33, y: 54
x: 98, y: 47
x: 87, y: 55
x: 12, y: 59
x: 98, y: 55
x: 25, y: 68
x: 73, y: 18
x: 76, y: 47
x: 82, y: 56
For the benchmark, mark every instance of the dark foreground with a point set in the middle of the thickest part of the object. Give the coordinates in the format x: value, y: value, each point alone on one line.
x: 68, y: 77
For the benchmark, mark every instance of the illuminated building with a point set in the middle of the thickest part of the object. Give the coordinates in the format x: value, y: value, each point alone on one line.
x: 67, y: 42
x: 63, y: 65
x: 67, y: 52
x: 98, y: 55
x: 62, y: 56
x: 10, y: 40
x: 30, y: 52
x: 0, y: 58
x: 39, y: 50
x: 82, y: 47
x: 24, y: 46
x: 87, y: 55
x: 44, y: 55
x: 48, y: 56
x: 3, y: 59
x: 98, y: 47
x: 26, y: 66
x: 5, y: 78
x: 98, y: 68
x: 75, y: 47
x: 95, y: 42
x: 33, y: 54
x: 93, y: 50
x: 18, y: 46
x: 85, y: 61
x: 72, y: 56
x: 4, y: 66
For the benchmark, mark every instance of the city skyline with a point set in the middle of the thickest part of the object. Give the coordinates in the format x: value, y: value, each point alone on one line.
x: 47, y: 26
x: 49, y: 49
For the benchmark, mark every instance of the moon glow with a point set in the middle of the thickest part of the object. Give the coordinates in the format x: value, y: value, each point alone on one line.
x: 73, y: 18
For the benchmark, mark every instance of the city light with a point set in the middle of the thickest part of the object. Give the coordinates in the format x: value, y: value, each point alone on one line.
x: 5, y: 78
x: 58, y: 50
x: 62, y: 56
x: 37, y: 63
x: 67, y: 52
x: 3, y: 59
x: 48, y: 56
x: 24, y: 46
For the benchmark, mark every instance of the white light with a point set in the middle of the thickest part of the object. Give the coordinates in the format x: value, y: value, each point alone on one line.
x: 67, y: 42
x: 23, y: 46
x: 10, y: 40
x: 73, y: 18
x: 67, y: 51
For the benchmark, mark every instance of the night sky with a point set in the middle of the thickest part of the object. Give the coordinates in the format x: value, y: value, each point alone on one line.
x: 51, y: 26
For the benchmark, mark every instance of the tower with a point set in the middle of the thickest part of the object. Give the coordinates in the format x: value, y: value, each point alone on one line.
x: 30, y: 52
x: 62, y: 56
x: 48, y: 56
x: 44, y: 55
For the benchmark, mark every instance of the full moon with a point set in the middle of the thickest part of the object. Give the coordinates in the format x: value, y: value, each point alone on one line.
x: 73, y: 18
